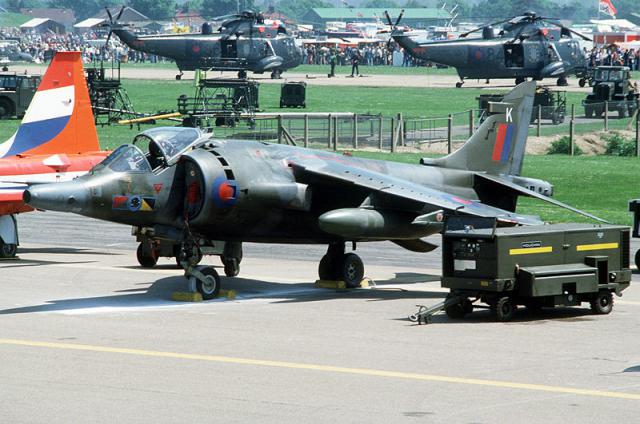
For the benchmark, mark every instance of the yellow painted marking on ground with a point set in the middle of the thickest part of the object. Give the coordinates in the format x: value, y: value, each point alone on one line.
x: 324, y: 368
x: 597, y: 246
x: 531, y: 250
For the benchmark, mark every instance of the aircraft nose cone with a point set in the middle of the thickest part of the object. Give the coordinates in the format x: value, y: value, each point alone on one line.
x: 70, y: 196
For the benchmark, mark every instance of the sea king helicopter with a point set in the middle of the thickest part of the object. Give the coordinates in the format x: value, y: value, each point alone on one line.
x: 243, y: 42
x: 527, y: 46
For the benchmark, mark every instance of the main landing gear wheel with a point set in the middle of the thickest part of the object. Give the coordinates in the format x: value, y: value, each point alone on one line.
x: 505, y: 309
x: 638, y: 259
x: 602, y: 303
x: 459, y: 84
x: 582, y: 82
x: 231, y: 267
x: 562, y: 82
x: 242, y: 74
x: 146, y: 259
x: 337, y: 265
x: 276, y: 74
x: 209, y: 285
x: 8, y: 250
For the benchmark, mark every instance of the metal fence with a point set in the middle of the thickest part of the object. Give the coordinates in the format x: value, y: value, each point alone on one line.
x: 344, y: 131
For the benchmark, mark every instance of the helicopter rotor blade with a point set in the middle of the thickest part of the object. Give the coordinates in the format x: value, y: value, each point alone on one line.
x: 386, y: 14
x: 120, y: 13
x: 559, y: 25
x: 464, y: 35
x: 109, y: 14
x: 399, y: 18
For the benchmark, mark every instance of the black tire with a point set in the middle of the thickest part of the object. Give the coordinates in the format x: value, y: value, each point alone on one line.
x: 242, y: 74
x: 351, y: 270
x: 638, y: 259
x: 582, y: 82
x: 505, y: 309
x: 467, y: 306
x: 602, y: 303
x: 326, y: 270
x: 144, y: 260
x: 209, y: 290
x: 178, y: 77
x: 458, y: 84
x: 231, y: 267
x: 520, y: 80
x: 8, y: 250
x: 455, y: 311
x: 588, y: 112
x: 6, y: 109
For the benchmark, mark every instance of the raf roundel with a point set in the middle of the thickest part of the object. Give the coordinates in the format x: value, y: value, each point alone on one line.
x: 224, y: 192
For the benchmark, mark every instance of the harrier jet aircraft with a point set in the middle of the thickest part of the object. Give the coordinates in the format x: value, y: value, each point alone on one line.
x: 56, y: 141
x: 194, y: 190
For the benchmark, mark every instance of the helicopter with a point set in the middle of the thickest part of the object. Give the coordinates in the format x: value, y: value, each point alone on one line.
x: 243, y: 42
x: 527, y: 46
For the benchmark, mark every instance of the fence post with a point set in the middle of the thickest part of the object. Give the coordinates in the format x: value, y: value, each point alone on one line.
x: 637, y: 128
x: 539, y: 123
x: 572, y: 129
x: 335, y: 133
x: 355, y: 131
x: 393, y: 135
x: 330, y: 129
x: 400, y: 130
x: 471, y: 123
x: 449, y: 135
x: 380, y: 133
x: 606, y: 116
x: 279, y: 129
x: 306, y: 130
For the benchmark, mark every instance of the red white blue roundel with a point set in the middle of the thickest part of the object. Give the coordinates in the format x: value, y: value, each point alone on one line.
x: 224, y: 192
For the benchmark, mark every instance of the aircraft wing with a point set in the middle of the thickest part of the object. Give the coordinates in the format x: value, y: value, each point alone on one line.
x: 530, y: 193
x: 426, y: 199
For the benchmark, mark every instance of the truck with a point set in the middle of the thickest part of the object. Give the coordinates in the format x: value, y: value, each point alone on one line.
x: 611, y: 89
x: 16, y: 92
x: 533, y: 266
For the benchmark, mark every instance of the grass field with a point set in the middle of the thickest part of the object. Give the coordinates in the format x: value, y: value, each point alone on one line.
x: 600, y: 185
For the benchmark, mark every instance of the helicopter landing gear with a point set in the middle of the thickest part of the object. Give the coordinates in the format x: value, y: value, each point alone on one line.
x: 179, y: 76
x: 520, y: 80
x: 582, y: 82
x: 242, y: 74
x: 460, y: 83
x: 276, y: 74
x: 487, y: 81
x: 562, y: 81
x: 337, y: 265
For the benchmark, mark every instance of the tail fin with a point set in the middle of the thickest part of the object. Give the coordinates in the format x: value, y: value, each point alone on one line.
x: 59, y: 118
x: 497, y: 147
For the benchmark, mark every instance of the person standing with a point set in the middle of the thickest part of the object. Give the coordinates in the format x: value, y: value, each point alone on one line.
x: 355, y: 61
x: 332, y: 61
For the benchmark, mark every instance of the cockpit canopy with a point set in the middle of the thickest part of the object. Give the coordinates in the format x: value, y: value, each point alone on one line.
x: 162, y: 145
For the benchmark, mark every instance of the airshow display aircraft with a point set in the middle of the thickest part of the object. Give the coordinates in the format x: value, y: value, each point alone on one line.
x: 243, y: 42
x: 195, y: 191
x: 56, y: 141
x: 528, y: 46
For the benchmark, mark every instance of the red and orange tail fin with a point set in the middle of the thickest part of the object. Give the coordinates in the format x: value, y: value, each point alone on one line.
x: 59, y: 118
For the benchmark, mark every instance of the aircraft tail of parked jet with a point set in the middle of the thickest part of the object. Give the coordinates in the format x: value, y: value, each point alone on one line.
x: 498, y: 146
x: 56, y: 141
x: 59, y: 118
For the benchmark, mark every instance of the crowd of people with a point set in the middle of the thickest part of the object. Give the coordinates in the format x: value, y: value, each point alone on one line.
x: 373, y: 54
x: 42, y: 46
x: 614, y: 55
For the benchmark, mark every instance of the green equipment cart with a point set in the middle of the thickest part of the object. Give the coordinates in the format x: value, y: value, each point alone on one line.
x: 535, y: 266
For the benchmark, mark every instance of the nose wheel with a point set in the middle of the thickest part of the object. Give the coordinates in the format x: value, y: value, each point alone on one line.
x: 205, y: 280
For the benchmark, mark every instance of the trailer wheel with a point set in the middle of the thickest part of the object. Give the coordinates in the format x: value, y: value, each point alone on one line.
x: 455, y: 311
x: 602, y: 304
x: 505, y: 309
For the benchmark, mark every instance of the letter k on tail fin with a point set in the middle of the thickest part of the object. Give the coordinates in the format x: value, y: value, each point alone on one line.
x: 497, y: 147
x: 59, y: 118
